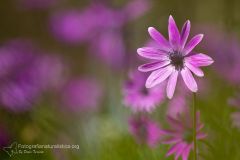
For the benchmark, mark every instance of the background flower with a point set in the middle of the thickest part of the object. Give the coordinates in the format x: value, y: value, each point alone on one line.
x: 180, y: 137
x: 139, y: 98
x: 224, y: 48
x: 26, y: 75
x: 105, y: 40
x: 144, y: 130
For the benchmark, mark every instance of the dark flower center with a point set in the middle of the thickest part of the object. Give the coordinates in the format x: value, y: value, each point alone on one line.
x: 144, y: 91
x: 188, y: 137
x: 177, y: 60
x: 142, y: 131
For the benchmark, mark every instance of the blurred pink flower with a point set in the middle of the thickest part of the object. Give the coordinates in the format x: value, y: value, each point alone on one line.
x: 144, y: 130
x: 135, y: 9
x: 139, y: 98
x: 26, y: 74
x: 180, y: 135
x: 220, y: 44
x: 173, y: 58
x: 73, y: 26
x: 82, y: 94
x: 100, y: 27
x: 47, y: 71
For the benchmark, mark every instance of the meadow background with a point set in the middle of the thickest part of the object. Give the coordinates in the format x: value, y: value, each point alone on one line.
x: 62, y: 78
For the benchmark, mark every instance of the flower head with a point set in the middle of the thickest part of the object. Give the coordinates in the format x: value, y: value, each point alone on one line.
x: 104, y: 40
x: 173, y: 58
x: 180, y: 135
x: 140, y: 98
x: 219, y: 43
x: 144, y: 130
x: 26, y: 74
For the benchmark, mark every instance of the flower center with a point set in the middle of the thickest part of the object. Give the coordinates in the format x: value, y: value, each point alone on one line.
x: 142, y: 131
x: 188, y: 137
x: 144, y: 91
x: 177, y: 60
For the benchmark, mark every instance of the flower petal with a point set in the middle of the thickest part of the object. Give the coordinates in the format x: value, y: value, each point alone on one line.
x: 199, y: 60
x: 201, y: 135
x: 157, y: 36
x: 174, y: 36
x: 152, y: 66
x: 180, y: 150
x: 174, y: 123
x: 172, y: 84
x: 189, y: 80
x: 199, y: 127
x: 193, y: 43
x: 171, y: 140
x: 186, y: 152
x: 158, y: 76
x: 173, y: 149
x: 152, y: 53
x: 197, y: 71
x: 185, y: 33
x: 168, y: 132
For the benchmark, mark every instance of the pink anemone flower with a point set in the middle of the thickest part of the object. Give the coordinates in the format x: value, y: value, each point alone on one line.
x: 173, y: 57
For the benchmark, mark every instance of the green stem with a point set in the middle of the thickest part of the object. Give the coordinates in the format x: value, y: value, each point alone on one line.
x: 194, y: 127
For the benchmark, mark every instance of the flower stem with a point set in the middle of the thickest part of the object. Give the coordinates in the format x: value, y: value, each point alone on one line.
x: 194, y: 127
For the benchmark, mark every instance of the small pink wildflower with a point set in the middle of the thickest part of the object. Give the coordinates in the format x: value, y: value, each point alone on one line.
x: 145, y: 130
x: 180, y: 135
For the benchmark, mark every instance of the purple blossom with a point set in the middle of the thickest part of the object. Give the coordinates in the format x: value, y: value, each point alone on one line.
x: 173, y: 58
x: 82, y: 94
x: 18, y: 96
x: 140, y: 98
x: 47, y: 72
x: 135, y: 9
x: 26, y: 74
x: 104, y: 40
x: 145, y: 130
x: 73, y: 26
x: 219, y: 44
x: 180, y: 137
